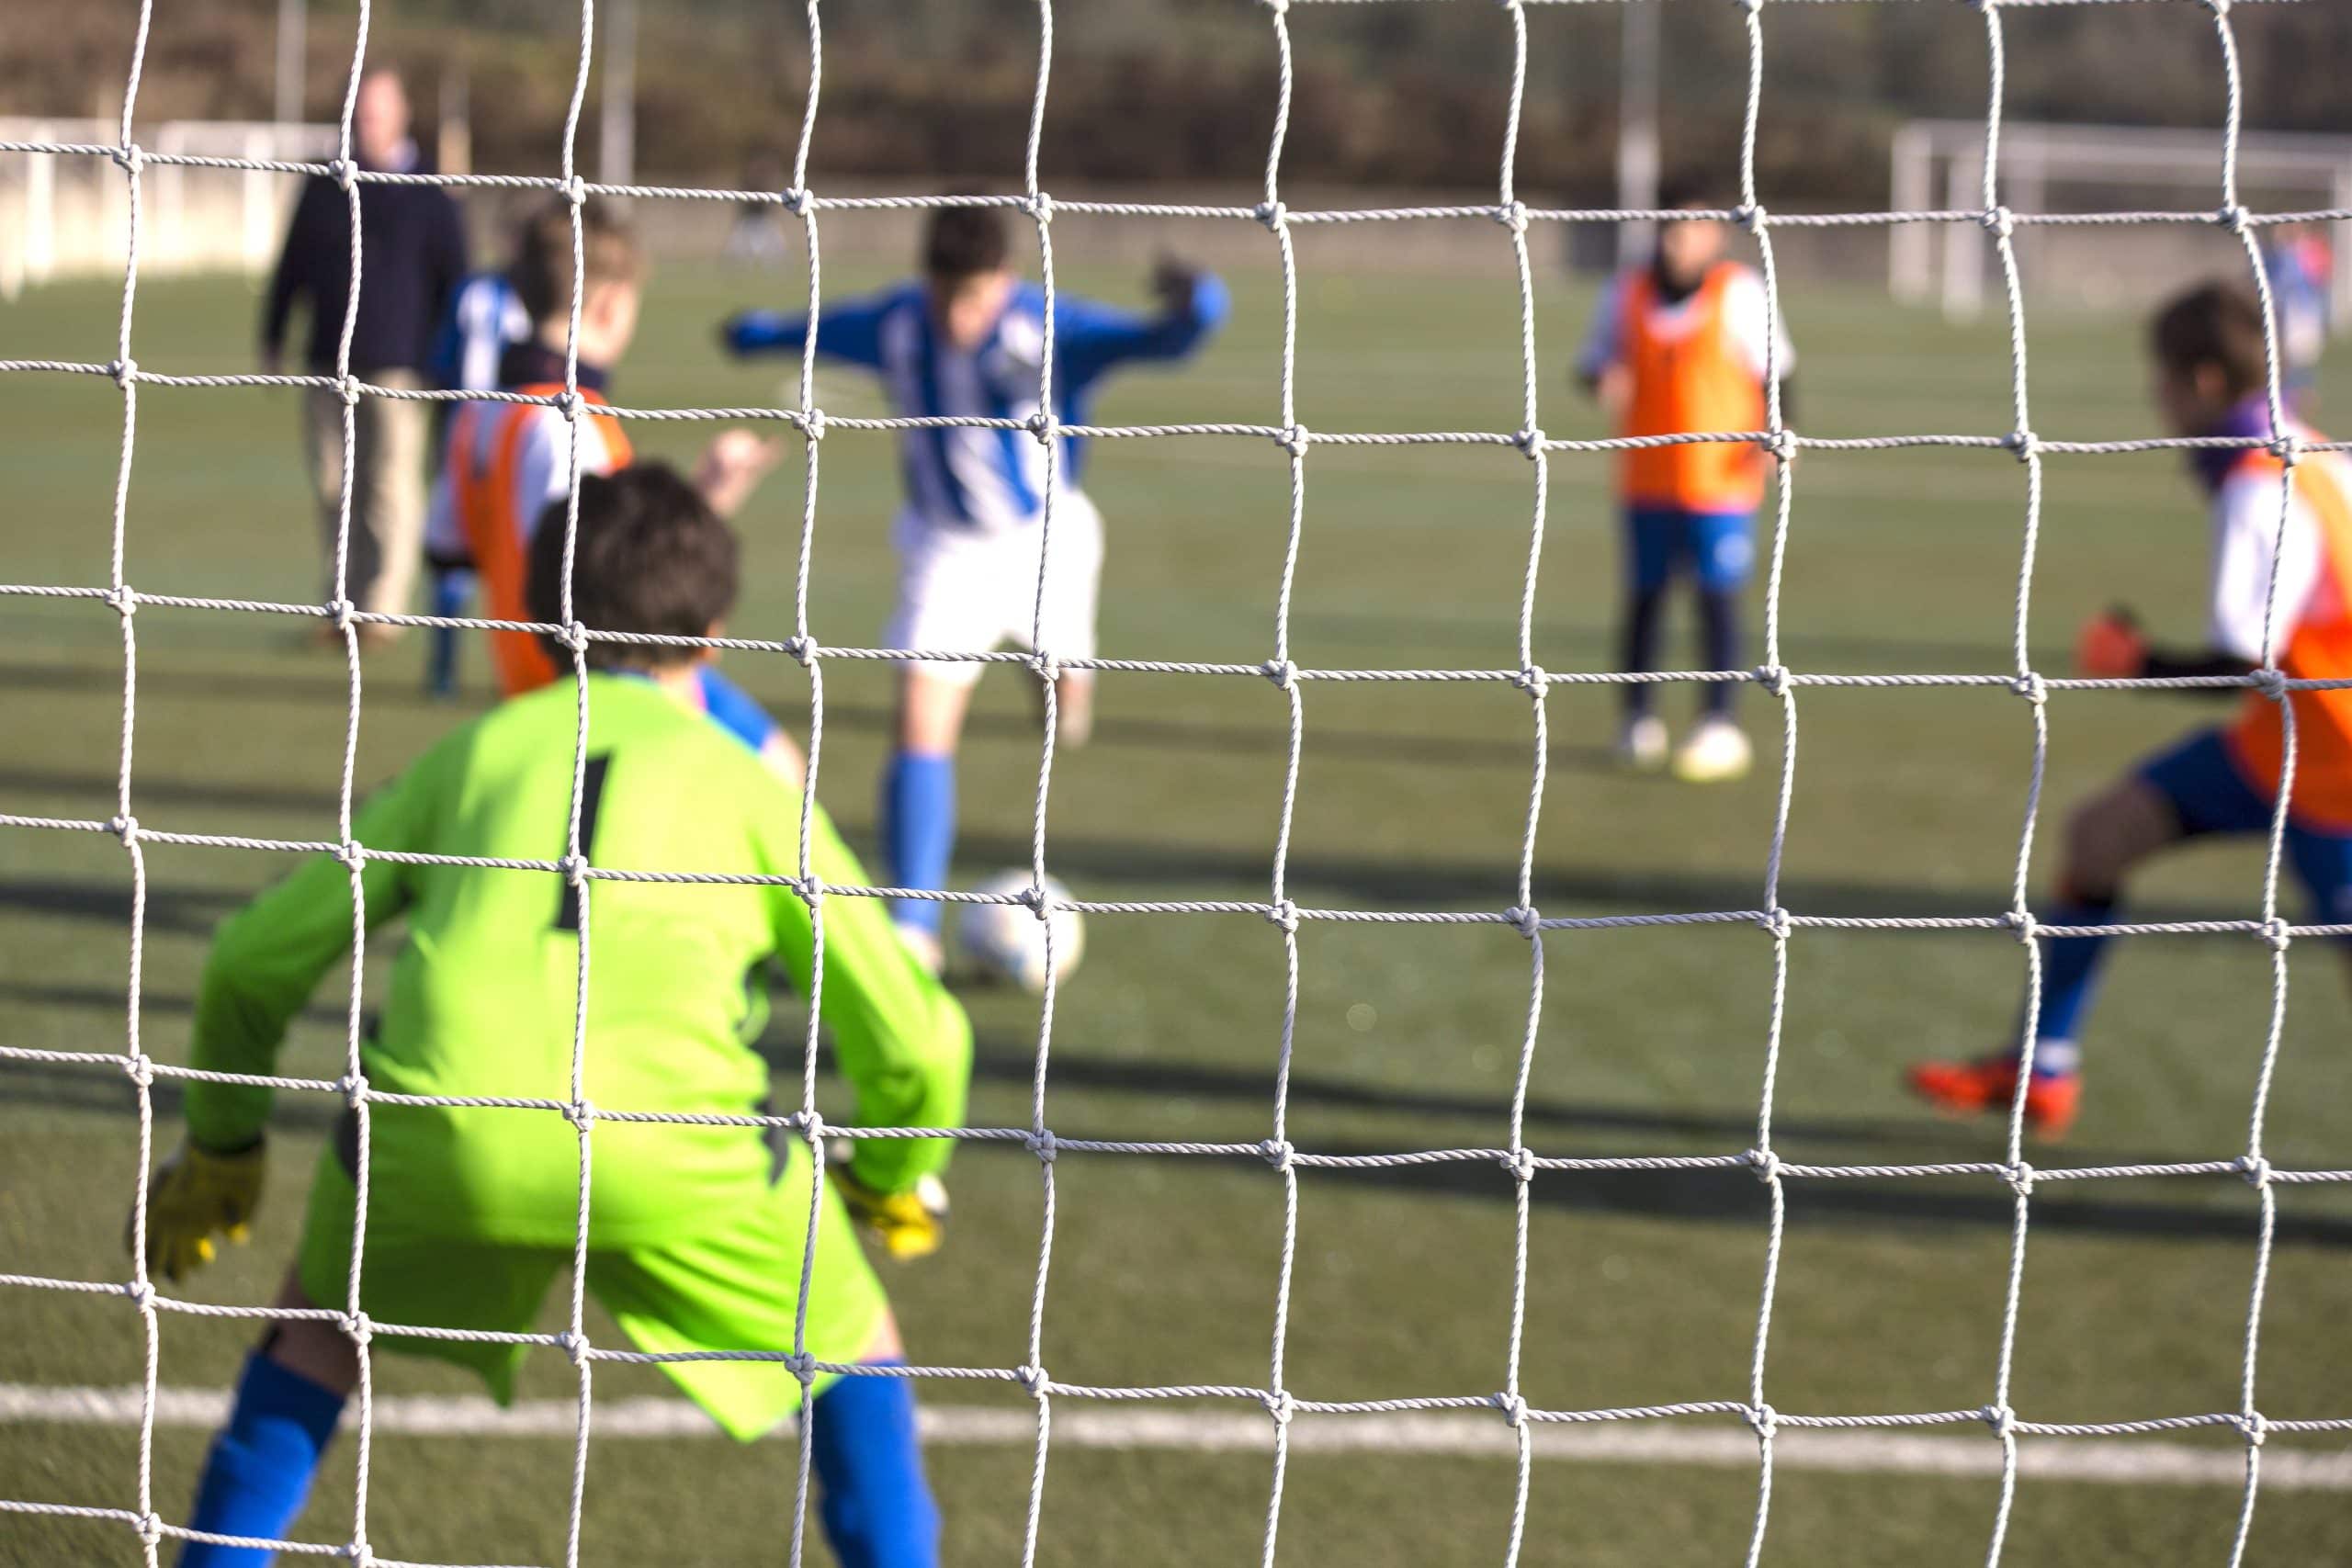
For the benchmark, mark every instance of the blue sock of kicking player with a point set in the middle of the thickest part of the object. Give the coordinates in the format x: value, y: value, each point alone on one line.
x: 2069, y: 975
x: 918, y: 830
x: 259, y: 1470
x: 877, y: 1507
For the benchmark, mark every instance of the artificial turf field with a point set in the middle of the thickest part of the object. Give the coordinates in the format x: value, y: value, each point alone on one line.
x: 1642, y: 1287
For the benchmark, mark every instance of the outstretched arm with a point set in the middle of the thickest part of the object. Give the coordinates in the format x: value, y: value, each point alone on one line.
x: 850, y: 332
x: 268, y: 958
x: 1092, y: 338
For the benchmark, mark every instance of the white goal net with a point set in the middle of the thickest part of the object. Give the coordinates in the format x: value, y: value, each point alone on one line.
x: 2004, y: 1411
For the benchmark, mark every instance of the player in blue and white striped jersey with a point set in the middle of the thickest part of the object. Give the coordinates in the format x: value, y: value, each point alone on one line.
x: 966, y: 339
x: 485, y: 318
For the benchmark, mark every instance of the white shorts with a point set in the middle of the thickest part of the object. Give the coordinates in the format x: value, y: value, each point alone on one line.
x: 966, y: 590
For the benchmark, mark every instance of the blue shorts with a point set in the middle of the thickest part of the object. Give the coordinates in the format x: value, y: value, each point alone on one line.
x: 2210, y: 796
x: 1718, y: 546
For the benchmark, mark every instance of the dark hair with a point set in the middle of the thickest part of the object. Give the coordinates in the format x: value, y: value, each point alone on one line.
x: 542, y: 269
x: 2213, y: 323
x: 1682, y: 191
x: 652, y: 557
x: 964, y: 241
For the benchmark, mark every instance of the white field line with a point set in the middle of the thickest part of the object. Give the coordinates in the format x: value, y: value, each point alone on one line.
x: 2134, y: 1460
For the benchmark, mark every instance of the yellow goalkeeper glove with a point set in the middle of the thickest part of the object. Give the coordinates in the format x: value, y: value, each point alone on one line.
x: 909, y: 1225
x: 192, y: 1195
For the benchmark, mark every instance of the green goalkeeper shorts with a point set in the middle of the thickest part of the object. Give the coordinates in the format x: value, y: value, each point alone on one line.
x: 732, y: 1287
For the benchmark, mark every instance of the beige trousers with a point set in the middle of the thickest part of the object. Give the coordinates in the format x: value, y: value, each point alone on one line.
x: 387, y: 489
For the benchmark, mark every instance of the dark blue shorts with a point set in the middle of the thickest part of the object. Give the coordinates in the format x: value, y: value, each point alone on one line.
x: 1717, y: 546
x: 2211, y: 797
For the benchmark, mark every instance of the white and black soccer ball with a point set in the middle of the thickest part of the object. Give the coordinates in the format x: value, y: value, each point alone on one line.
x: 1007, y: 942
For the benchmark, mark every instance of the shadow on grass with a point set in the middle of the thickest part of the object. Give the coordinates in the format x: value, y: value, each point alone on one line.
x: 1721, y: 1195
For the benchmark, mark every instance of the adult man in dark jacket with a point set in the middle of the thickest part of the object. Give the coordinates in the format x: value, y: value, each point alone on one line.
x: 412, y: 255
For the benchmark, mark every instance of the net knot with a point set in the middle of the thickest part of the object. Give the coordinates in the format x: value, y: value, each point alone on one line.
x: 566, y: 402
x: 359, y: 1327
x: 575, y: 191
x: 1036, y: 900
x: 1280, y: 671
x: 1514, y: 1409
x: 124, y: 371
x: 1533, y: 680
x: 1750, y: 215
x: 575, y: 636
x: 360, y: 1552
x: 1525, y: 920
x: 797, y: 200
x: 343, y: 172
x: 580, y: 1113
x: 1042, y: 425
x: 1782, y: 443
x: 2255, y: 1169
x: 346, y: 386
x: 812, y: 424
x: 1039, y: 206
x: 2271, y: 682
x: 811, y: 889
x: 1278, y: 1153
x: 812, y: 1128
x: 1777, y: 923
x: 1046, y: 667
x: 151, y: 1528
x: 2002, y: 1419
x: 1765, y: 1164
x: 141, y: 1294
x: 125, y: 827
x: 1282, y: 913
x: 2276, y: 933
x: 1293, y: 439
x: 1273, y: 214
x: 1763, y: 1418
x: 340, y: 612
x: 2031, y: 687
x: 141, y: 1070
x: 2025, y: 444
x: 354, y: 1090
x: 1041, y: 1144
x: 1280, y: 1404
x: 2022, y: 923
x: 1521, y: 1163
x: 1531, y: 441
x: 2021, y: 1178
x: 2232, y: 217
x: 1998, y: 221
x: 803, y: 648
x: 574, y: 869
x: 1773, y: 678
x: 1512, y: 214
x: 124, y: 599
x: 803, y: 1366
x: 1034, y: 1379
x: 2254, y: 1427
x: 573, y: 1344
x: 2287, y: 447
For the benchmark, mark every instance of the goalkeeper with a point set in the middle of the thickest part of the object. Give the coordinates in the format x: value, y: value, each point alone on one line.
x: 694, y: 1232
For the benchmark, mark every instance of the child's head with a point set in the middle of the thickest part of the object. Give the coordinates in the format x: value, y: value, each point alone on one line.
x: 1687, y: 247
x: 2207, y: 349
x: 651, y: 557
x: 968, y: 269
x: 616, y: 274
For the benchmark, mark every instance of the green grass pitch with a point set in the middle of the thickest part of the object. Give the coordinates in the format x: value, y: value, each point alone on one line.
x: 1642, y: 1287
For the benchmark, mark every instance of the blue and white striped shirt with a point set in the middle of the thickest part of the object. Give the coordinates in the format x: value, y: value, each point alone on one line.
x: 980, y: 478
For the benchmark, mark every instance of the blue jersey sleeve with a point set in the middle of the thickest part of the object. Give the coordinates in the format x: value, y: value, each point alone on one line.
x: 732, y: 709
x: 1090, y: 338
x: 850, y: 332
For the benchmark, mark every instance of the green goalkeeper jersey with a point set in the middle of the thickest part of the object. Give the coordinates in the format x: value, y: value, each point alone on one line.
x: 481, y: 1001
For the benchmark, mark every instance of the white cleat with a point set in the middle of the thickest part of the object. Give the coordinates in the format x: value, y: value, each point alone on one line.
x: 1715, y: 752
x: 925, y: 948
x: 1640, y: 745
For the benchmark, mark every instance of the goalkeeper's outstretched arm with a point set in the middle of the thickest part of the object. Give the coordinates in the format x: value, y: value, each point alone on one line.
x: 850, y: 332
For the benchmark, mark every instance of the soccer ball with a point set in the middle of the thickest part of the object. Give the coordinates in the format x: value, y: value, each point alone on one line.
x: 1007, y: 941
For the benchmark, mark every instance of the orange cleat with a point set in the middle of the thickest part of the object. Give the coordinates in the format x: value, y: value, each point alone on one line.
x: 1989, y: 1084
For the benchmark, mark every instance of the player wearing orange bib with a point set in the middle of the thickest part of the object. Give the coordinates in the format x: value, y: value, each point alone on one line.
x: 1681, y: 345
x: 2210, y: 378
x: 509, y: 464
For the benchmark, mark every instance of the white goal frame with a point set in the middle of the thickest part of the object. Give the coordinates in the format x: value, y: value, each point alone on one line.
x: 1951, y: 267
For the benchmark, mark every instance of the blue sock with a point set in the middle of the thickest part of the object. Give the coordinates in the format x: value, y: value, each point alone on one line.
x: 876, y: 1506
x: 918, y: 830
x: 2069, y: 975
x: 259, y: 1472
